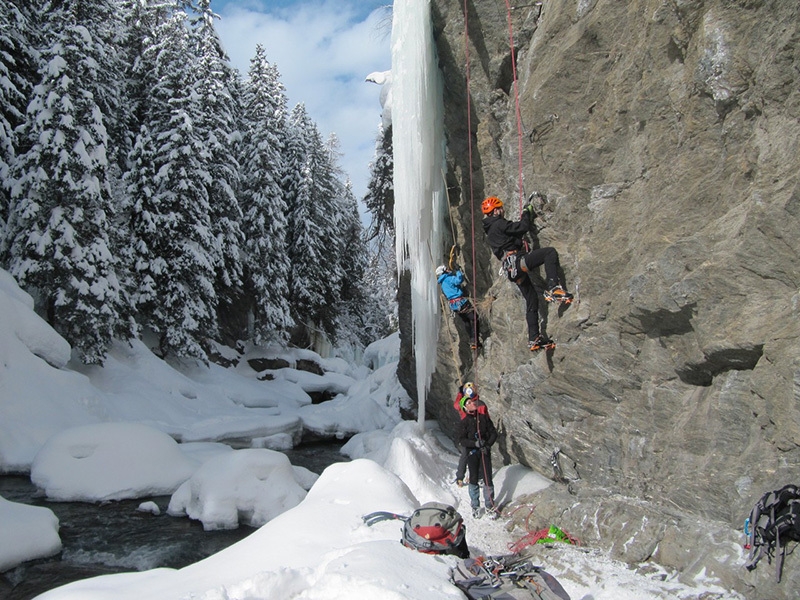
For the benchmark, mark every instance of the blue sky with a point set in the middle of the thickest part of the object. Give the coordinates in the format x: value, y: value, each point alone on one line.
x: 323, y: 50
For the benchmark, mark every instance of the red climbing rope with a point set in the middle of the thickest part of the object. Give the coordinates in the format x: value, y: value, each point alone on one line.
x: 471, y: 187
x: 469, y: 144
x: 516, y: 103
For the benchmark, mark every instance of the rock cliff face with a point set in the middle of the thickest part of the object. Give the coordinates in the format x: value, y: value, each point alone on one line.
x: 664, y: 136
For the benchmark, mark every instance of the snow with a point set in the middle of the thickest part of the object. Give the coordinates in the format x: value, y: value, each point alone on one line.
x: 109, y: 461
x: 27, y: 532
x: 97, y: 433
x: 384, y: 79
x: 248, y: 487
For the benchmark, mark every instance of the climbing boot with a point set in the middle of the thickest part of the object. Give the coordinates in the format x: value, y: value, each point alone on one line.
x: 558, y: 294
x: 541, y: 342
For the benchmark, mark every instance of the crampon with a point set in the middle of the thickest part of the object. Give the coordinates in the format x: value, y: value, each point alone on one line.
x: 558, y: 294
x: 541, y: 343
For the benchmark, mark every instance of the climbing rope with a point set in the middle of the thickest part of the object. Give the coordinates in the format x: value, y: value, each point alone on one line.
x: 453, y: 344
x: 471, y: 183
x: 516, y: 103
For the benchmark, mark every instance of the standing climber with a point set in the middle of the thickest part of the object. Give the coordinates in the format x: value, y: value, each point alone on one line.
x: 466, y: 392
x: 505, y: 239
x: 461, y: 305
x: 477, y: 433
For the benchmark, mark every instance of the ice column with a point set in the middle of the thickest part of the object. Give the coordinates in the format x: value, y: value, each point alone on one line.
x: 418, y: 141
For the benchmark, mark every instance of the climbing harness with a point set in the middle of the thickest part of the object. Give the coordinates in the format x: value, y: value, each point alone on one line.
x: 509, y: 266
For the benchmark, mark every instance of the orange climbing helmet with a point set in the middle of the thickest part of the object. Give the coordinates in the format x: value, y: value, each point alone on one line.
x: 490, y: 204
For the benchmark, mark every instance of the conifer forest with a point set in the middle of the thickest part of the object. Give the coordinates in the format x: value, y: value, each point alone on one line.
x: 150, y: 189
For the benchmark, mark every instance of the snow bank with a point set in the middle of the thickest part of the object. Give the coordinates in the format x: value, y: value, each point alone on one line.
x: 248, y: 487
x: 110, y: 461
x: 26, y: 531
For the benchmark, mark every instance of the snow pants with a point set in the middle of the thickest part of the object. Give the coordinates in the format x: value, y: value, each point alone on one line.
x: 540, y: 256
x: 479, y: 463
x: 469, y: 315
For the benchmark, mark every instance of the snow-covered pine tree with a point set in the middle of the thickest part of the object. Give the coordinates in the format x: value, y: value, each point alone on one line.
x: 381, y: 277
x: 381, y: 286
x: 58, y: 231
x: 315, y: 275
x: 141, y: 17
x: 379, y: 198
x: 295, y: 194
x: 172, y: 237
x: 104, y: 21
x: 358, y: 321
x: 333, y: 232
x: 17, y: 71
x: 218, y: 126
x: 263, y: 205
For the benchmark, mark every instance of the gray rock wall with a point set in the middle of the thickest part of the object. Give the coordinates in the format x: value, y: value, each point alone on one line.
x: 664, y: 136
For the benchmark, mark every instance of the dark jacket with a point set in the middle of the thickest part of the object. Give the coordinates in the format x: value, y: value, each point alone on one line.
x: 467, y: 428
x: 505, y: 236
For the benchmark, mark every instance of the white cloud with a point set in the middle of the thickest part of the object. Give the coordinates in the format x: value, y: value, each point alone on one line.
x: 323, y: 50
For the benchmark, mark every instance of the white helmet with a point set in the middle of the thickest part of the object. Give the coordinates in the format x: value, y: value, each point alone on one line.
x: 441, y: 269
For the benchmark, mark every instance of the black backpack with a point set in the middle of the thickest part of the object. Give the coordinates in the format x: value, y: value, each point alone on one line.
x: 774, y: 520
x: 506, y: 577
x: 433, y: 528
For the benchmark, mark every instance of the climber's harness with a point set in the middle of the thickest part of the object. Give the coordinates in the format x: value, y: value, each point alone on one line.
x: 458, y: 304
x: 510, y: 262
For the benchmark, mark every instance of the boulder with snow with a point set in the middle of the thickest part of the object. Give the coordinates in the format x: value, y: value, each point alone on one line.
x: 249, y: 487
x: 33, y: 531
x: 110, y: 461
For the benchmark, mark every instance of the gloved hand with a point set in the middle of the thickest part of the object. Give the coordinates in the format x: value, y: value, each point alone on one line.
x: 480, y: 444
x: 528, y: 208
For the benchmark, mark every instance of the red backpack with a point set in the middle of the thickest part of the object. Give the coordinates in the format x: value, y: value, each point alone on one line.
x: 433, y: 528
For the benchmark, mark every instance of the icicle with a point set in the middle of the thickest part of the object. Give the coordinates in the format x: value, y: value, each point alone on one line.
x: 418, y: 142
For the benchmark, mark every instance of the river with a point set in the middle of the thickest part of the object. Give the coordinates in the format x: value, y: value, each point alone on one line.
x: 113, y: 537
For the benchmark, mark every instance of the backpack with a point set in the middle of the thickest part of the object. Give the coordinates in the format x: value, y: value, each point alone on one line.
x: 433, y: 528
x: 506, y: 577
x: 774, y: 520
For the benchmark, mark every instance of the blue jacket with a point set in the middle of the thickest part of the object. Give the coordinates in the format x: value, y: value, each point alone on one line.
x: 451, y: 288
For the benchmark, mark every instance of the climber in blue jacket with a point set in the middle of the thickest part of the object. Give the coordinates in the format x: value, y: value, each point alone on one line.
x: 451, y: 284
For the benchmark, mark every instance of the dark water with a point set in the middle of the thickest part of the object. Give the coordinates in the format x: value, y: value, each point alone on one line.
x: 114, y: 537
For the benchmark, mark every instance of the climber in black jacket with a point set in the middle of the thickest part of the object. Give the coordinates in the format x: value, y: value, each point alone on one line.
x: 505, y: 239
x: 477, y: 433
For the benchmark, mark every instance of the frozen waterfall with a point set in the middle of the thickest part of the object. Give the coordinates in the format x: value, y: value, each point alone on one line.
x: 418, y: 140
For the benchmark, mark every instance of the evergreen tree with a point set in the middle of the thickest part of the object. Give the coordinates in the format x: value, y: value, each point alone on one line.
x: 380, y: 286
x: 359, y: 320
x: 265, y: 211
x: 17, y: 70
x: 104, y: 21
x: 334, y: 199
x: 217, y: 126
x: 141, y: 18
x: 313, y: 226
x: 58, y: 231
x: 380, y: 281
x: 175, y: 250
x: 379, y: 199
